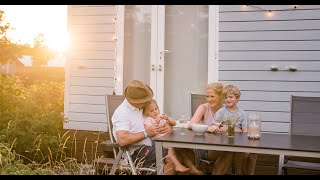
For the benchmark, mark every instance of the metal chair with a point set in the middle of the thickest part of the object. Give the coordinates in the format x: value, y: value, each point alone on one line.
x: 195, y: 101
x: 304, y: 121
x: 112, y: 102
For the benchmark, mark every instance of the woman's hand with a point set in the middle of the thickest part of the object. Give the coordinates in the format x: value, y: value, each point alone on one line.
x: 214, y: 128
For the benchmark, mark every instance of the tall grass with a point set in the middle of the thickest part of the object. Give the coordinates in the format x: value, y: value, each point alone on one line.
x: 54, y: 163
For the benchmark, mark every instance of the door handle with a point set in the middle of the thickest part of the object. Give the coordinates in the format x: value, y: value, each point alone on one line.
x: 160, y: 67
x: 153, y: 67
x: 165, y: 51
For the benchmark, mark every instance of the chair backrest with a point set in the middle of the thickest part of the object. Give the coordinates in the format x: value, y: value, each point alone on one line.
x: 305, y: 115
x: 112, y: 103
x: 195, y: 101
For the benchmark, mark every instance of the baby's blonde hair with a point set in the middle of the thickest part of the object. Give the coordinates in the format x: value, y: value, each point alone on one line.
x: 217, y: 87
x: 231, y: 89
x: 148, y: 104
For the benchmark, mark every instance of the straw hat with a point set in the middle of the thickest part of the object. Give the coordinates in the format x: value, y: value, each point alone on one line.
x: 138, y: 92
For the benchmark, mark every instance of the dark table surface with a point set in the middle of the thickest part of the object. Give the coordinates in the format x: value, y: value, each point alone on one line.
x: 267, y: 141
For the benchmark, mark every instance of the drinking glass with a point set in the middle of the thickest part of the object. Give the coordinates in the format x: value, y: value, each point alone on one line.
x: 182, y: 120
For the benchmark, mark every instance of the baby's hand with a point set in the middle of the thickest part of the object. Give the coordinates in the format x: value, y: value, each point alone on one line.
x: 158, y: 119
x: 164, y: 116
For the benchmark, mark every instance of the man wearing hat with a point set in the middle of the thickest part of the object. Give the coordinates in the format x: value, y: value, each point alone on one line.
x: 128, y: 127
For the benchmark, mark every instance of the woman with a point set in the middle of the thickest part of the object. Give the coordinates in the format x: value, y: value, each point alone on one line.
x: 204, y: 115
x: 223, y: 159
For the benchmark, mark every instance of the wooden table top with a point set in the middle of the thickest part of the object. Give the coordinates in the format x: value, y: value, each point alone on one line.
x: 267, y: 141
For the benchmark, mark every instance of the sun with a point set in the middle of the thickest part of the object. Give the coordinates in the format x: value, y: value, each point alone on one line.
x: 29, y: 21
x: 58, y: 41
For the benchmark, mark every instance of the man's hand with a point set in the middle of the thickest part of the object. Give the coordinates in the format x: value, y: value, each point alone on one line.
x: 166, y: 129
x: 152, y: 130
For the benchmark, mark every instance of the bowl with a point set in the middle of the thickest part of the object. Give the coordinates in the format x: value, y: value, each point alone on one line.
x: 199, y: 129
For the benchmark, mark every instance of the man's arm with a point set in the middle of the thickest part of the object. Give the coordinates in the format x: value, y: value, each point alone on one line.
x: 125, y: 138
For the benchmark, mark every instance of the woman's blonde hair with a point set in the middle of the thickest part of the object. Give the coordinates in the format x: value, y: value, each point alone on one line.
x: 217, y: 87
x: 148, y: 104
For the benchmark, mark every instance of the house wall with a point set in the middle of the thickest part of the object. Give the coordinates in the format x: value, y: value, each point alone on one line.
x: 250, y: 42
x: 89, y: 66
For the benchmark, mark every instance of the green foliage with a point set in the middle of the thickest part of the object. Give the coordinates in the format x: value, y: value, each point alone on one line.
x: 40, y: 53
x: 31, y: 116
x: 12, y: 93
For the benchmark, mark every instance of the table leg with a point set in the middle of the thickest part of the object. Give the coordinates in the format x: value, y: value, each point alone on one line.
x: 281, y: 162
x: 159, y: 158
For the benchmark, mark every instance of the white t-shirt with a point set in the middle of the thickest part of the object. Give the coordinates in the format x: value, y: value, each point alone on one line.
x: 129, y: 118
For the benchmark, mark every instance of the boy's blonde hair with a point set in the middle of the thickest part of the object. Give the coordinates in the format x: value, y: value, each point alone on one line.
x: 217, y: 87
x: 231, y: 89
x: 148, y: 104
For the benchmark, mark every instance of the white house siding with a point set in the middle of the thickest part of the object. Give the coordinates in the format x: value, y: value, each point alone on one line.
x: 89, y: 66
x: 250, y: 42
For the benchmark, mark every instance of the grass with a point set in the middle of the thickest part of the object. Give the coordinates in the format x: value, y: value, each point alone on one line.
x: 54, y: 163
x: 60, y: 162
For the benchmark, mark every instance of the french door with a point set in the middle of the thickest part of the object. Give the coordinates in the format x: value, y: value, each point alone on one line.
x: 181, y: 58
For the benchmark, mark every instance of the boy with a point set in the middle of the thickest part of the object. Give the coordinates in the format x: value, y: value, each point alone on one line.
x: 231, y: 112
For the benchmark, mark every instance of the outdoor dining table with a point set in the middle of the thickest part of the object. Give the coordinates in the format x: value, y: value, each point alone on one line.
x: 276, y: 144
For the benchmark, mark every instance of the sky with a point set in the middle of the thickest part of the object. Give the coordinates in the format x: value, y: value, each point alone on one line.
x: 29, y: 20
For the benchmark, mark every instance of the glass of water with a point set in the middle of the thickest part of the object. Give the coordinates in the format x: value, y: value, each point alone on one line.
x: 182, y: 120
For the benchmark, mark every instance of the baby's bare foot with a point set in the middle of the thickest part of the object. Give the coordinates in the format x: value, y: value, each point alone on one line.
x: 181, y: 168
x: 196, y: 171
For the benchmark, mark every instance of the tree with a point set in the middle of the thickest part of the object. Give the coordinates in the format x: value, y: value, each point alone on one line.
x: 8, y: 51
x: 40, y: 53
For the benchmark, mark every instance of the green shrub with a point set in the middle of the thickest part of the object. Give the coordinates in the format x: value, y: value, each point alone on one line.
x: 31, y: 117
x: 12, y: 93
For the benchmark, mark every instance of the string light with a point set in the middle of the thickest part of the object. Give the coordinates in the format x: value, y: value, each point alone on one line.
x: 114, y: 38
x: 269, y: 11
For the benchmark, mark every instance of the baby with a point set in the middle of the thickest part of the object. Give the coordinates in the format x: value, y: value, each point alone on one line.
x: 151, y: 113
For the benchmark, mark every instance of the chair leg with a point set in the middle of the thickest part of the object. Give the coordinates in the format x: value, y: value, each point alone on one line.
x: 233, y: 168
x: 116, y: 162
x: 133, y: 169
x: 284, y: 171
x: 281, y: 162
x: 197, y: 158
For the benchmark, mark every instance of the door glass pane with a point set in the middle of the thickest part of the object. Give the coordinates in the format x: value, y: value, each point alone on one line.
x: 186, y: 66
x: 137, y: 42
